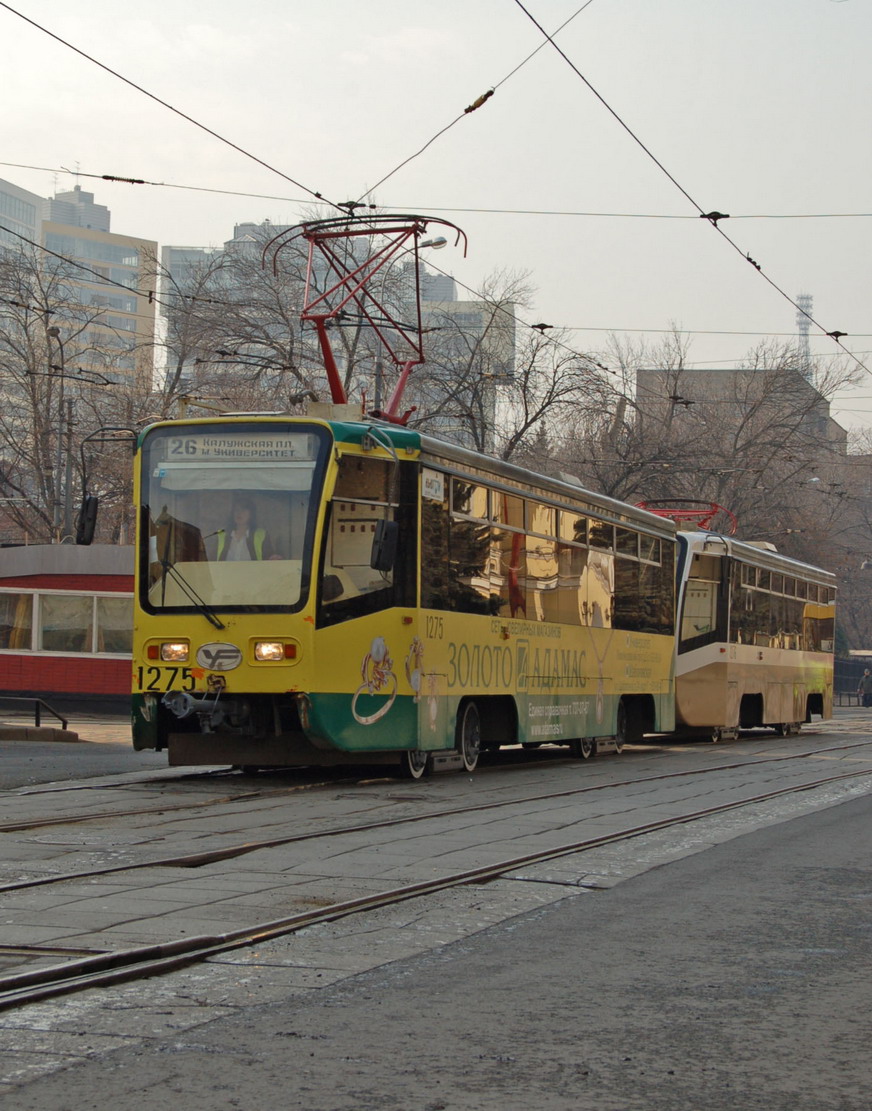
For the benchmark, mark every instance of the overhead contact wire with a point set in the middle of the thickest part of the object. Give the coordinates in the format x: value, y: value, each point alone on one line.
x: 166, y: 104
x: 712, y: 217
x: 122, y: 180
x: 476, y: 104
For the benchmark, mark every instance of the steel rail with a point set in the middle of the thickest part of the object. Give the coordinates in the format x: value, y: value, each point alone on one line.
x: 278, y: 792
x: 231, y: 852
x: 102, y: 815
x: 145, y: 961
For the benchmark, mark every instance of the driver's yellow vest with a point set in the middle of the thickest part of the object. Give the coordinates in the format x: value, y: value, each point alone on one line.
x: 257, y: 541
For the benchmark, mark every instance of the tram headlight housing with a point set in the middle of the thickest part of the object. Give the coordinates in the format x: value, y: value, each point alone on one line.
x: 175, y: 651
x: 274, y: 650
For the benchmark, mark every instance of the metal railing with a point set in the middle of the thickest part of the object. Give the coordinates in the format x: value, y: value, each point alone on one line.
x: 38, y: 706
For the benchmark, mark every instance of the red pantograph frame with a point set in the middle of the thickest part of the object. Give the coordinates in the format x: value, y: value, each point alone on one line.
x: 393, y: 234
x: 702, y: 515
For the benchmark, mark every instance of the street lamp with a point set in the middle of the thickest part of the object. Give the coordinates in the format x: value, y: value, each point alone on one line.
x: 62, y: 518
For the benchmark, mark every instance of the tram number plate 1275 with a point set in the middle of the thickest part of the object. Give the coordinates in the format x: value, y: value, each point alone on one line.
x: 165, y: 678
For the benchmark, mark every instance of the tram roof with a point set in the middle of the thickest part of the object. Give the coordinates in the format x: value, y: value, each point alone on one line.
x: 567, y: 488
x: 464, y: 461
x: 757, y: 555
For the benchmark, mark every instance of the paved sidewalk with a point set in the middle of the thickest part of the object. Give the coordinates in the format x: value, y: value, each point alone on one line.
x: 81, y: 727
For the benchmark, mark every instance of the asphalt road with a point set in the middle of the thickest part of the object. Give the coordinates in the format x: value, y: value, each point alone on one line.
x: 25, y: 763
x: 732, y: 979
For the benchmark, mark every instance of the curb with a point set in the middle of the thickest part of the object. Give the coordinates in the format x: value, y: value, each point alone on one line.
x: 38, y: 733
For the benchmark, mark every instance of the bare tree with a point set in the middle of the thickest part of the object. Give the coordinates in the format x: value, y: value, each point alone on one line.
x: 749, y: 439
x: 54, y: 351
x: 493, y: 389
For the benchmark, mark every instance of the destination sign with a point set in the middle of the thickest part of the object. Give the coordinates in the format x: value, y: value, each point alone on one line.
x: 224, y: 447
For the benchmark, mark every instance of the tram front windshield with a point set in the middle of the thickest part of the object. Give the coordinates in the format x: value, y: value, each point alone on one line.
x: 228, y: 515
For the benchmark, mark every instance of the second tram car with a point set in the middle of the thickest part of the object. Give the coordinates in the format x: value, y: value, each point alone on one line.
x: 754, y: 638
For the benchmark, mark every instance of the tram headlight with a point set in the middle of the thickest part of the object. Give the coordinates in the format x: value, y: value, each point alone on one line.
x: 274, y: 650
x: 176, y: 651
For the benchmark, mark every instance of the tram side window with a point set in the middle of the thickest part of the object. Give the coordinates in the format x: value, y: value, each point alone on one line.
x: 600, y: 589
x: 506, y: 509
x: 508, y: 572
x: 572, y: 569
x: 666, y: 587
x: 367, y: 492
x: 469, y: 500
x: 749, y: 609
x: 629, y: 604
x: 456, y: 554
x: 658, y: 594
x: 763, y: 614
x: 572, y: 528
x: 817, y: 630
x: 644, y: 589
x: 543, y: 580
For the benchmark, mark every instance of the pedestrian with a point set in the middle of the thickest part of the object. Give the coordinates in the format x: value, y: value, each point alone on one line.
x: 864, y: 688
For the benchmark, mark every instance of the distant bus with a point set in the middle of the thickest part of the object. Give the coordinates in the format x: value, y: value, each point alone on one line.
x: 397, y: 599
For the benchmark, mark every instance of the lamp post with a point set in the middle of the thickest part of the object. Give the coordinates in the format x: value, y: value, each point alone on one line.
x: 53, y: 333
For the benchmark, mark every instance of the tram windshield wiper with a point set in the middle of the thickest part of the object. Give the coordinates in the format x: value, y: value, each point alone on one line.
x: 199, y: 603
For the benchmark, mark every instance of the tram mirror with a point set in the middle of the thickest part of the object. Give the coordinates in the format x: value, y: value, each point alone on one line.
x: 384, y: 545
x: 331, y: 588
x: 86, y: 523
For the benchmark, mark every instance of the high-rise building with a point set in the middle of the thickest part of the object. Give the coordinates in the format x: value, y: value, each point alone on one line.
x: 108, y: 276
x: 21, y: 212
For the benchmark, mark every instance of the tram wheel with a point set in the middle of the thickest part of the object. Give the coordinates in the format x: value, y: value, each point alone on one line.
x: 249, y: 769
x: 581, y: 748
x: 468, y: 736
x: 621, y: 728
x: 716, y: 736
x: 413, y: 764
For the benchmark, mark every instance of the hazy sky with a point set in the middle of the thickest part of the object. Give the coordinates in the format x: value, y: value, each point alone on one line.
x: 755, y: 107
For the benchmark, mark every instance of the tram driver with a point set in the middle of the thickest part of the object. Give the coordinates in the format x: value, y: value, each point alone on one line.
x: 243, y: 538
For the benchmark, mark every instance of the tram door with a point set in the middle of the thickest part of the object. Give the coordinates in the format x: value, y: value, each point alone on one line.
x: 705, y: 609
x: 366, y: 613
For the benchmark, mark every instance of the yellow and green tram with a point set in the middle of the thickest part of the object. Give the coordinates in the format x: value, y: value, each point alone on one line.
x: 314, y: 591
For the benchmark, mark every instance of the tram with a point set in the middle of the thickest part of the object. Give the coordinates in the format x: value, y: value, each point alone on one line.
x: 754, y: 639
x: 339, y: 588
x: 397, y: 599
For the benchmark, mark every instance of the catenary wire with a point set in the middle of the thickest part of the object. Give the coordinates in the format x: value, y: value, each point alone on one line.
x: 301, y: 360
x: 835, y: 335
x: 476, y: 104
x: 154, y: 297
x: 418, y: 207
x: 713, y: 218
x: 166, y: 104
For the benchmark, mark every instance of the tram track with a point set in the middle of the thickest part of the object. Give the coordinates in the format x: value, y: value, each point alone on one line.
x: 232, y: 852
x: 276, y: 793
x: 105, y: 969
